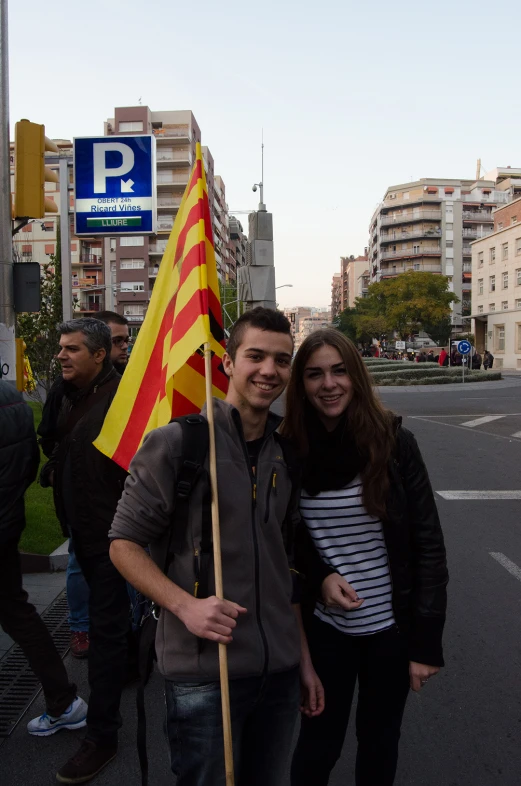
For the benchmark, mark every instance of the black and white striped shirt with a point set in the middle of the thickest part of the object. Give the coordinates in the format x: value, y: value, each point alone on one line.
x: 352, y: 542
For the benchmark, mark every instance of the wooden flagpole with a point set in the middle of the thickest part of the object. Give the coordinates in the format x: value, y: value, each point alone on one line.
x: 216, y: 535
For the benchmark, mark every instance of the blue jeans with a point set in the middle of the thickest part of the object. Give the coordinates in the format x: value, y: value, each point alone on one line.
x: 77, y: 594
x: 264, y: 711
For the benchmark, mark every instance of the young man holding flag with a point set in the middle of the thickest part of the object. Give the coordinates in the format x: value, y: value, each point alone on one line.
x: 256, y: 619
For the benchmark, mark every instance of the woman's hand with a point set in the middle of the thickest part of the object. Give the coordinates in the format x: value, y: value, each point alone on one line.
x: 336, y: 591
x: 311, y: 691
x: 419, y: 673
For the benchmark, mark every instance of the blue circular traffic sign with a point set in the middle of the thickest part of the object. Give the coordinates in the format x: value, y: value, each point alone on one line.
x: 464, y: 347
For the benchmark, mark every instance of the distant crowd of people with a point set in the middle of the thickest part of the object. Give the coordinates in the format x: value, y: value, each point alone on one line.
x: 475, y: 359
x: 333, y: 559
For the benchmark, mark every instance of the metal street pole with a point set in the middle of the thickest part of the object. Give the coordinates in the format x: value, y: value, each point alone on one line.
x: 7, y: 316
x: 65, y: 241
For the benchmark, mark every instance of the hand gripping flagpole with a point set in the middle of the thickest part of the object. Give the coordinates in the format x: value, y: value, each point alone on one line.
x: 216, y: 536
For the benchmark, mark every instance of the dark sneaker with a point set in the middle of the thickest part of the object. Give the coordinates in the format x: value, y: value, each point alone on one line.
x: 79, y: 643
x: 86, y: 763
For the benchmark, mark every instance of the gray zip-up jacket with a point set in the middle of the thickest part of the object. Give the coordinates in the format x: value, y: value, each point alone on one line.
x: 256, y: 573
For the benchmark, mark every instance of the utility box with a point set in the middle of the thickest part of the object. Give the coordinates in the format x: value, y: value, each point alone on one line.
x: 26, y: 287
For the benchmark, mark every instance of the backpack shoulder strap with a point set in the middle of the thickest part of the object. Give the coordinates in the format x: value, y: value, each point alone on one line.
x: 195, y: 442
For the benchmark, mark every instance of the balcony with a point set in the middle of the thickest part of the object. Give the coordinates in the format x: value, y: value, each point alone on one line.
x: 413, y: 215
x: 164, y: 226
x: 86, y: 308
x: 421, y: 200
x: 475, y: 232
x: 388, y: 237
x: 135, y: 317
x: 397, y: 270
x: 153, y: 271
x: 89, y: 259
x: 173, y: 132
x: 165, y: 179
x: 168, y: 203
x: 477, y: 215
x: 466, y: 251
x: 166, y: 156
x: 157, y: 248
x: 418, y: 251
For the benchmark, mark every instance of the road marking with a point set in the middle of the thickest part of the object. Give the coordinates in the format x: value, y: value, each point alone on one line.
x: 479, y: 494
x: 482, y: 421
x: 454, y: 425
x: 470, y: 414
x: 512, y: 568
x: 517, y: 435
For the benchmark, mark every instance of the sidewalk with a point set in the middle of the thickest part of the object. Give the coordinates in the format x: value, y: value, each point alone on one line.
x: 43, y: 589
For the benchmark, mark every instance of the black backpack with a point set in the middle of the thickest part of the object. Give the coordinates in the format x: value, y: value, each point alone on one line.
x: 195, y: 442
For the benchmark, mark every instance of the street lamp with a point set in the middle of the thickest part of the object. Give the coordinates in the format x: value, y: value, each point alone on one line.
x: 284, y: 285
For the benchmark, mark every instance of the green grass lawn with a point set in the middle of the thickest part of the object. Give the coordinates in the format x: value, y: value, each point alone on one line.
x: 42, y: 533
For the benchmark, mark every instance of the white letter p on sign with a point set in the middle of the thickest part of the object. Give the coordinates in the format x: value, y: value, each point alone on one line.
x: 102, y: 172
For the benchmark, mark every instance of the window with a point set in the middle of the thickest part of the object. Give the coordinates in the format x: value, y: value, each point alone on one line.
x: 504, y: 279
x: 491, y: 306
x: 480, y: 309
x: 480, y: 259
x: 134, y: 125
x: 492, y: 284
x: 499, y: 338
x: 504, y: 305
x: 518, y: 246
x: 480, y: 286
x: 513, y: 220
x: 416, y: 266
x: 518, y: 277
x: 518, y: 303
x: 504, y: 251
x: 136, y: 240
x: 518, y: 337
x: 49, y: 248
x: 27, y: 228
x: 415, y: 249
x: 449, y: 243
x: 492, y: 254
x: 132, y: 286
x: 74, y: 248
x: 27, y: 251
x: 406, y: 195
x: 134, y: 309
x: 132, y: 264
x: 448, y: 227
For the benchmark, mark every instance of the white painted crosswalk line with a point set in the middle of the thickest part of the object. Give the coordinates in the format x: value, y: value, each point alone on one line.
x: 469, y: 495
x: 512, y: 568
x: 482, y: 421
x: 517, y: 435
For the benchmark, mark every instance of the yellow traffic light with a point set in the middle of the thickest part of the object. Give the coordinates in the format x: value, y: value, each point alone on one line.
x: 30, y: 173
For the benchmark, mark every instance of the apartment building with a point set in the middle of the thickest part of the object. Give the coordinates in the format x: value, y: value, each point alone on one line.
x: 237, y: 245
x: 37, y: 242
x: 496, y: 288
x: 134, y: 260
x: 351, y: 269
x: 429, y: 225
x: 336, y: 295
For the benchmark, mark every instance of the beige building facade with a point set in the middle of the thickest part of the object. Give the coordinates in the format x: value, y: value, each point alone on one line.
x: 496, y: 288
x: 351, y: 269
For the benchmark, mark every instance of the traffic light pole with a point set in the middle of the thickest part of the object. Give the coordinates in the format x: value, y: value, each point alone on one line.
x: 7, y: 316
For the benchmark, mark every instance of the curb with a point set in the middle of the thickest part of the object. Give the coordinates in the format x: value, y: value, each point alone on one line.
x: 46, y: 563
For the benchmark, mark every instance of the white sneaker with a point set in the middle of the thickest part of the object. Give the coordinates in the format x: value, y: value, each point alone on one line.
x: 74, y: 717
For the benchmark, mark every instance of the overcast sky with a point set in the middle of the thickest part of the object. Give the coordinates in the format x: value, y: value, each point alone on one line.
x: 353, y: 97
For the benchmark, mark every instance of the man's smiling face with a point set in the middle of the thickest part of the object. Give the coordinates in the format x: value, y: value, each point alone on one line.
x: 261, y: 369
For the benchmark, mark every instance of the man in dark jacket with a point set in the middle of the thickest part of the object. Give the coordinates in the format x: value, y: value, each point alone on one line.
x: 77, y: 588
x: 87, y: 486
x: 19, y: 460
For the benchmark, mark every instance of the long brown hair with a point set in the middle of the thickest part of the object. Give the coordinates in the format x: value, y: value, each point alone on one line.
x: 367, y: 420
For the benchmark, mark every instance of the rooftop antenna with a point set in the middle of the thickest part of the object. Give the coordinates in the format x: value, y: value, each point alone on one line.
x: 139, y: 99
x: 262, y: 206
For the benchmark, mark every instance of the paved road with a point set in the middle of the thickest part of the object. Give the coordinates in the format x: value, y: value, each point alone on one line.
x: 464, y: 728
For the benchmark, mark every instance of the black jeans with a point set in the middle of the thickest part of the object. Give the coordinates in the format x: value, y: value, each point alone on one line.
x: 19, y: 619
x: 108, y: 630
x: 263, y: 712
x: 380, y: 663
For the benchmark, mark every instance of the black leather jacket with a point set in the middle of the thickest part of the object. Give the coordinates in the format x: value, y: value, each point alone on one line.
x: 416, y: 552
x: 19, y: 459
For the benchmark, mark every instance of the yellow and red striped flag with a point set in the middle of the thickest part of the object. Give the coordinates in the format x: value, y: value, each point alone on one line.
x: 165, y: 377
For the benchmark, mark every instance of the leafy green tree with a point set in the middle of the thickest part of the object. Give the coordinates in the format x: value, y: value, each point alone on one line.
x: 408, y: 302
x: 439, y: 332
x: 231, y: 308
x: 39, y: 330
x: 346, y: 323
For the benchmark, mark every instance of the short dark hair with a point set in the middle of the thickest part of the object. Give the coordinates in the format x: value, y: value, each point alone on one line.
x: 262, y: 318
x: 112, y: 316
x: 97, y: 334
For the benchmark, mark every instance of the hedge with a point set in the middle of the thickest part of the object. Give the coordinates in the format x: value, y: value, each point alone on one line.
x: 476, y: 376
x: 414, y: 371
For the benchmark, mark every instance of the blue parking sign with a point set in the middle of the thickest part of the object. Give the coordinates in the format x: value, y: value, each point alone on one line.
x: 115, y: 185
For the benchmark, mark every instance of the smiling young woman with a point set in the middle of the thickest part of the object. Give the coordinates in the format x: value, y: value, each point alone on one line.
x: 371, y: 549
